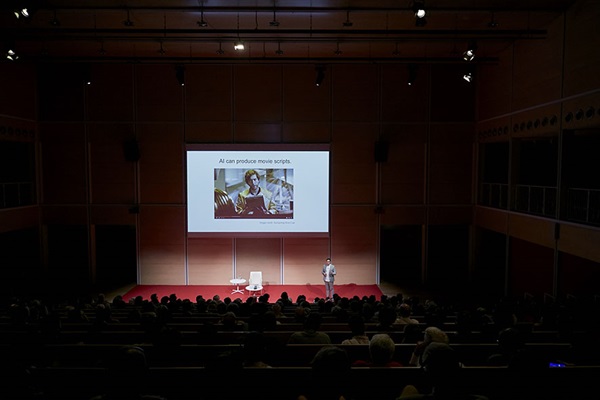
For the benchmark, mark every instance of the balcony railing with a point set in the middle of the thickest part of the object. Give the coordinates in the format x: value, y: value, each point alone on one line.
x: 494, y: 195
x: 538, y: 200
x: 583, y: 205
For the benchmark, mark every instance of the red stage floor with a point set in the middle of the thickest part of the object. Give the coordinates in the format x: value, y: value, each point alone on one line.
x: 208, y: 291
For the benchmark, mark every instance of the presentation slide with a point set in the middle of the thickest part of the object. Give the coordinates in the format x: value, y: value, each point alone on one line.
x: 257, y: 190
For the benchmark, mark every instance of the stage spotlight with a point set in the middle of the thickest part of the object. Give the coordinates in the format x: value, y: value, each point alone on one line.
x: 239, y: 45
x: 320, y: 75
x: 420, y: 13
x: 202, y: 23
x: 11, y: 55
x: 469, y: 54
x: 180, y: 74
x: 468, y: 77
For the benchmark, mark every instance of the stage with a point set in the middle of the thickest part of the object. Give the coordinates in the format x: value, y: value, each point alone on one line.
x: 208, y: 291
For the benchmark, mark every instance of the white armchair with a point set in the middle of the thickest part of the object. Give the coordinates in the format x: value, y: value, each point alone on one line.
x: 255, y: 285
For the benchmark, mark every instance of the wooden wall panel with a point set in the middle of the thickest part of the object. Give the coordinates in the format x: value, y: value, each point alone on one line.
x: 403, y: 174
x: 112, y: 176
x: 401, y: 102
x: 61, y: 91
x: 65, y: 215
x: 257, y: 132
x: 450, y: 215
x: 355, y: 94
x: 112, y: 215
x: 63, y: 151
x: 257, y: 93
x: 452, y: 98
x: 580, y: 241
x: 208, y: 132
x: 19, y: 88
x: 353, y: 163
x: 210, y: 261
x: 259, y: 254
x: 162, y: 245
x: 581, y: 65
x: 403, y: 215
x: 354, y: 244
x: 451, y: 164
x: 531, y: 229
x: 534, y: 85
x: 303, y: 100
x: 303, y: 260
x: 162, y: 169
x: 531, y: 268
x: 159, y: 96
x: 495, y: 86
x: 110, y: 96
x: 306, y: 132
x: 208, y: 91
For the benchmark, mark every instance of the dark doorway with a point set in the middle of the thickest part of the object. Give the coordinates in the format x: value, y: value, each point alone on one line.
x: 400, y: 255
x: 116, y: 256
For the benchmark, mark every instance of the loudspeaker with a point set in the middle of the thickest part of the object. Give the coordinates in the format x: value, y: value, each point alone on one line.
x: 131, y: 149
x: 381, y: 151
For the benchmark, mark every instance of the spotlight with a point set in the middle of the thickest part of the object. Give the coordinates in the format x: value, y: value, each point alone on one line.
x: 11, y: 55
x: 420, y: 13
x: 469, y: 54
x: 239, y: 45
x: 279, y: 52
x: 320, y: 75
x: 468, y: 77
x: 25, y: 11
x: 274, y: 22
x: 180, y: 74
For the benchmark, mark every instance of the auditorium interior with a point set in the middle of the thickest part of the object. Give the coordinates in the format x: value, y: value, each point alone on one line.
x: 463, y: 167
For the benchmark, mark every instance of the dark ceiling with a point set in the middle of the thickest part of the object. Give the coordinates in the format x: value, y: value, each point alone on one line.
x: 187, y: 31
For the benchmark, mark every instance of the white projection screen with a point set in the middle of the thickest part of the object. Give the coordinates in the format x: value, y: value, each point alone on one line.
x: 257, y: 190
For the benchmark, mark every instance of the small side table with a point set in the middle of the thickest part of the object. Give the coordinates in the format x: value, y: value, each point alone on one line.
x: 237, y: 282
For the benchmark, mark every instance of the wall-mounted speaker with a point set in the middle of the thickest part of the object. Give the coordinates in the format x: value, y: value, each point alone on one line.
x: 381, y: 151
x: 131, y: 149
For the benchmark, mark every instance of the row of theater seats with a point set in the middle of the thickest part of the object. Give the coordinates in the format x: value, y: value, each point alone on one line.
x: 281, y: 383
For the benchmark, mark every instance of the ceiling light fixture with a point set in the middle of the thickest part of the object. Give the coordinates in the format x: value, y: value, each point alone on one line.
x: 468, y: 77
x: 161, y: 51
x: 320, y: 75
x: 396, y: 52
x: 239, y: 45
x: 11, y: 55
x: 469, y: 54
x: 128, y: 21
x: 274, y: 22
x: 202, y: 23
x: 337, y: 51
x: 420, y: 13
x: 347, y: 22
x: 220, y: 51
x: 493, y: 23
x: 279, y: 52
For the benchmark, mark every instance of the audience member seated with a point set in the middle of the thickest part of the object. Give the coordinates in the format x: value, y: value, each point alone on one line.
x: 127, y: 373
x: 357, y: 327
x: 381, y: 350
x: 330, y: 369
x: 442, y: 368
x: 311, y: 333
x: 510, y: 342
x: 432, y: 334
x: 255, y: 353
x: 404, y: 315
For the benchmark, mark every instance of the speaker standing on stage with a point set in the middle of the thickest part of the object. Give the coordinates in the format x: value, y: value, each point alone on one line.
x: 328, y: 278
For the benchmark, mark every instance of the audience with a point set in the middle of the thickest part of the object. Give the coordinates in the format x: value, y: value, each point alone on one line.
x: 432, y: 334
x: 310, y: 333
x: 381, y: 351
x: 356, y: 323
x: 330, y: 369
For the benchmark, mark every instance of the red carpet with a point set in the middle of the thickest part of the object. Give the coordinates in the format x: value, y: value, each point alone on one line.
x: 208, y: 291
